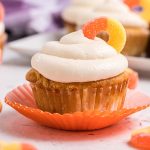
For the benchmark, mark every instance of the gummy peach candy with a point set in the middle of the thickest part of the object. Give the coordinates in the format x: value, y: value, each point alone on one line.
x: 16, y: 146
x: 117, y: 33
x: 141, y: 138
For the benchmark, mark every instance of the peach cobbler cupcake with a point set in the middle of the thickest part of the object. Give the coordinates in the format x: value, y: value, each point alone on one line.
x: 81, y: 72
x: 81, y: 11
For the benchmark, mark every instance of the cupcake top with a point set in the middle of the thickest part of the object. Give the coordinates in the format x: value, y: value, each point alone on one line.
x: 2, y: 27
x: 81, y: 11
x: 76, y: 58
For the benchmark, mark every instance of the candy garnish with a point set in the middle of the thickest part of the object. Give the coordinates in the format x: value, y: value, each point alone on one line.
x: 141, y: 138
x: 117, y: 33
x: 16, y: 146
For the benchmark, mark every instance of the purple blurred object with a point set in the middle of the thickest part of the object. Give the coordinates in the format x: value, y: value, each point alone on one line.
x: 33, y: 16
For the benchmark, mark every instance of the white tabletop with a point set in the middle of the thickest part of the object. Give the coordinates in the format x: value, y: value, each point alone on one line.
x: 15, y: 127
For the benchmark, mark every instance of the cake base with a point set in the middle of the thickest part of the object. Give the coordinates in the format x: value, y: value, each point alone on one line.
x: 55, y: 97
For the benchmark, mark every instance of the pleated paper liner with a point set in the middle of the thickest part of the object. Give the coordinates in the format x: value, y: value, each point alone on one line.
x: 21, y: 99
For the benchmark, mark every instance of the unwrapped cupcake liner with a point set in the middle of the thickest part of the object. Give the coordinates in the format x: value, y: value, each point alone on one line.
x: 22, y: 100
x: 109, y: 97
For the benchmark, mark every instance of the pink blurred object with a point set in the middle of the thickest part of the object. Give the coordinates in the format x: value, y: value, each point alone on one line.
x: 133, y: 79
x: 33, y: 16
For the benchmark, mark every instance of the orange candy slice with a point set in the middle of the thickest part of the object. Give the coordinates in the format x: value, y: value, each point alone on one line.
x: 117, y: 33
x: 141, y: 138
x: 16, y: 146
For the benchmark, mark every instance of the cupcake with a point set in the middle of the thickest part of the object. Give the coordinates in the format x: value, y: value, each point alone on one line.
x: 2, y: 31
x: 142, y: 8
x: 81, y: 72
x: 81, y: 11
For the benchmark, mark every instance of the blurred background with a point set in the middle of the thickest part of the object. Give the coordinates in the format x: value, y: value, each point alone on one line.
x: 27, y: 17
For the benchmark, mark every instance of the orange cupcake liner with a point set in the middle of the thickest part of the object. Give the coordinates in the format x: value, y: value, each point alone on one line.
x: 22, y: 100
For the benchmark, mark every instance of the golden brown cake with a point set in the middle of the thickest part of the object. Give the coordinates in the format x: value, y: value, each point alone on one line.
x: 57, y: 97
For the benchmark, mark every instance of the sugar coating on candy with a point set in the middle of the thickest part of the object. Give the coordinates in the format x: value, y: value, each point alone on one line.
x: 117, y: 33
x: 141, y: 138
x: 1, y: 12
x: 91, y: 29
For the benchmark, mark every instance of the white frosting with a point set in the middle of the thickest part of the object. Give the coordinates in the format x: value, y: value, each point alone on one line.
x: 76, y: 58
x: 2, y: 28
x: 81, y: 11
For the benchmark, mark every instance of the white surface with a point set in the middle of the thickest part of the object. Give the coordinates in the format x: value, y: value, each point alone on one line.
x: 15, y: 127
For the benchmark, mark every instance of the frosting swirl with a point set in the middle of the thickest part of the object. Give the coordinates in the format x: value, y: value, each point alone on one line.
x: 76, y: 58
x: 81, y: 11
